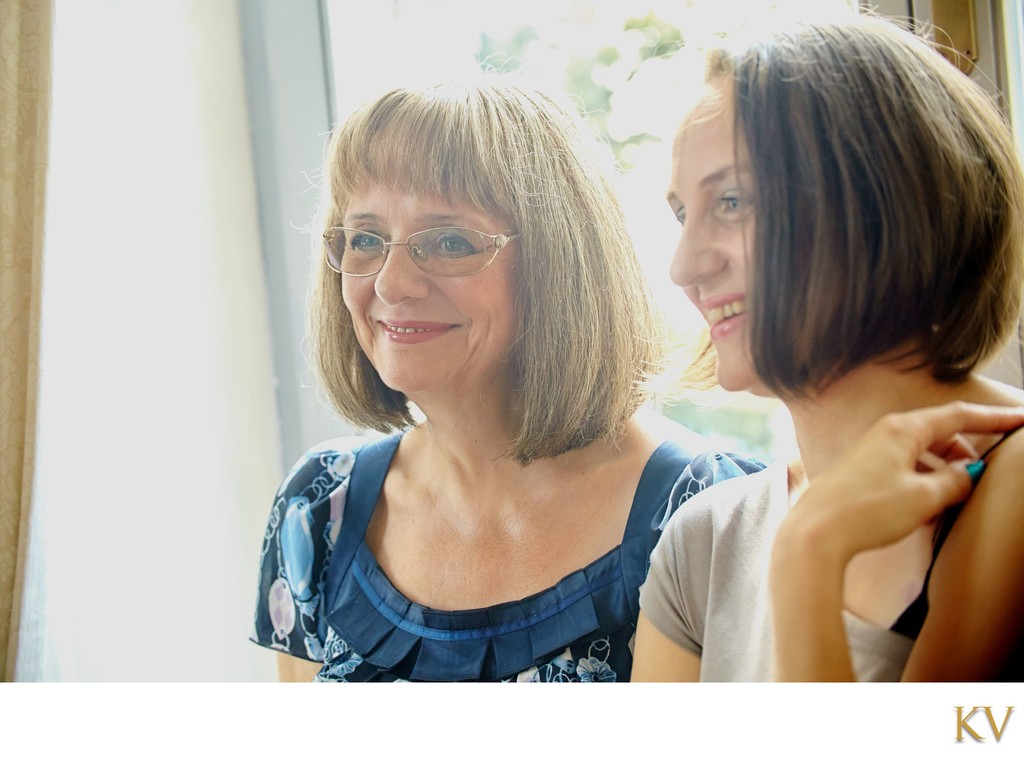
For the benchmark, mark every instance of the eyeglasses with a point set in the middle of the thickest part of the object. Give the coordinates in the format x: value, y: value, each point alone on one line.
x: 450, y: 251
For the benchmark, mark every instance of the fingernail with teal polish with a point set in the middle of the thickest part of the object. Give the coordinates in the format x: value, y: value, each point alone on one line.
x: 975, y: 469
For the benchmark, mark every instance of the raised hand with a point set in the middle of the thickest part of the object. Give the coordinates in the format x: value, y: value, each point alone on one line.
x: 902, y: 473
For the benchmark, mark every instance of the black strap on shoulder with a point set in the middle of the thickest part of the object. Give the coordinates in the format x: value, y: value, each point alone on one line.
x: 1002, y: 438
x: 912, y: 620
x: 364, y: 487
x: 949, y: 516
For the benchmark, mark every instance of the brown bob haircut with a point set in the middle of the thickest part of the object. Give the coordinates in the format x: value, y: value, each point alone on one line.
x: 588, y: 335
x: 889, y: 202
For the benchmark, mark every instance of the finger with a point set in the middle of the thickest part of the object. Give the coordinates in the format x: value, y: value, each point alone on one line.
x: 950, y: 484
x: 958, y: 449
x: 959, y: 482
x: 933, y: 428
x: 929, y: 461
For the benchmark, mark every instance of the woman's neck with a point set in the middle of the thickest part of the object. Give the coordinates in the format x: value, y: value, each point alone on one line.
x: 470, y: 436
x: 466, y: 476
x: 830, y: 422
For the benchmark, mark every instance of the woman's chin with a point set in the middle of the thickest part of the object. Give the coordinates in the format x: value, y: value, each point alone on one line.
x: 741, y: 381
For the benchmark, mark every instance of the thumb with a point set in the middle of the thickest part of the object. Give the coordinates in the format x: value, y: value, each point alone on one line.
x: 954, y: 482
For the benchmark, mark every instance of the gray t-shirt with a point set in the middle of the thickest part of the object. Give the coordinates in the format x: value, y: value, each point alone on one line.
x: 707, y: 589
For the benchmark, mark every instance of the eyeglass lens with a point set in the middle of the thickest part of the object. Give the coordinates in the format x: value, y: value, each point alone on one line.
x: 447, y: 251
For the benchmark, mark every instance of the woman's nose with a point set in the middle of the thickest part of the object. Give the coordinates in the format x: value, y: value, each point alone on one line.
x: 400, y: 278
x: 695, y: 258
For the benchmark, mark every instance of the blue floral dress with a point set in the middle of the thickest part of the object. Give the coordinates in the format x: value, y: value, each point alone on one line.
x: 322, y: 596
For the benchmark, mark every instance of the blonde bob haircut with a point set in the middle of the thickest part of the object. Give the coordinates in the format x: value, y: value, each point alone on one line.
x: 888, y: 205
x: 588, y: 338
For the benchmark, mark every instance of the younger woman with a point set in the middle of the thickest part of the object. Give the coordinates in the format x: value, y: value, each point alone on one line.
x: 851, y: 210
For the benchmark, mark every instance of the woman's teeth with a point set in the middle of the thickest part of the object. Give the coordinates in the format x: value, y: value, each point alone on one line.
x: 725, y: 311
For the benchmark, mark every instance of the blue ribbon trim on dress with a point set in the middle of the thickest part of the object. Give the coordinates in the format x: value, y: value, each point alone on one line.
x: 398, y: 621
x: 491, y: 643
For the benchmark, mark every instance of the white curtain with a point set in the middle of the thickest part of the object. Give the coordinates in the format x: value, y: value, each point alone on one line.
x: 158, y: 444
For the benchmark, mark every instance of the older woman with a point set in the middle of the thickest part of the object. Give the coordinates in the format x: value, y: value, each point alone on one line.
x: 475, y: 265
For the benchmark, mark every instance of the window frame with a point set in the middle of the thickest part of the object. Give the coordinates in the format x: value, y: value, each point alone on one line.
x: 290, y: 92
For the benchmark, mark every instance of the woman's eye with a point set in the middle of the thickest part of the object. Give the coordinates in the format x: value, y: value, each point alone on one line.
x: 365, y: 242
x: 732, y: 206
x: 450, y: 244
x: 454, y: 244
x: 680, y: 214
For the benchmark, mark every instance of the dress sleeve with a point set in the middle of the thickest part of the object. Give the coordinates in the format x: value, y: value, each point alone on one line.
x: 710, y: 468
x: 303, y: 527
x: 675, y: 595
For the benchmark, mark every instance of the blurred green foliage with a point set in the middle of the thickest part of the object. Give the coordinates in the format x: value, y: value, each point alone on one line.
x: 656, y: 38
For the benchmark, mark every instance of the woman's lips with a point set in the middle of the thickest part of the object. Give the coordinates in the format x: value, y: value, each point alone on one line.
x: 725, y: 318
x: 413, y: 332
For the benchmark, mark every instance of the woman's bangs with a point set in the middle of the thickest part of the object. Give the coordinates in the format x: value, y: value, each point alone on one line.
x: 425, y: 149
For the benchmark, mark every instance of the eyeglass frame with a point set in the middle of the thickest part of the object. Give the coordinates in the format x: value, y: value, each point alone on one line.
x: 498, y: 241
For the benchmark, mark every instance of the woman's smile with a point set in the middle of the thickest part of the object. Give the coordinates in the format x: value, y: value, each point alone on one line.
x: 412, y: 332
